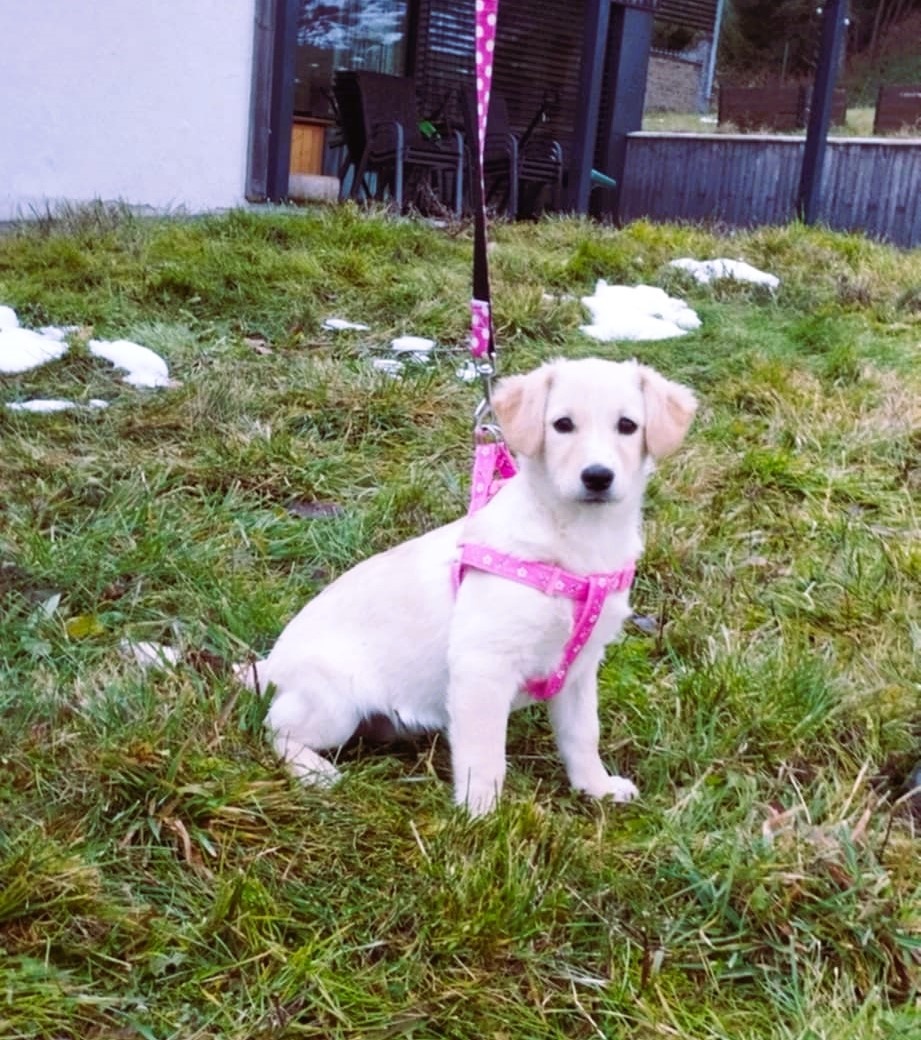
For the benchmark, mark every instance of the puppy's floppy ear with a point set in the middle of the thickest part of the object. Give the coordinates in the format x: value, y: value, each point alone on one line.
x: 519, y: 403
x: 670, y: 407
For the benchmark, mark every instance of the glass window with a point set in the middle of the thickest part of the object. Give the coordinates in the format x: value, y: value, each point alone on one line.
x: 348, y: 34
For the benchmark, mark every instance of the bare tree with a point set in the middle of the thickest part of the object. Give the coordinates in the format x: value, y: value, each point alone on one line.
x: 888, y: 13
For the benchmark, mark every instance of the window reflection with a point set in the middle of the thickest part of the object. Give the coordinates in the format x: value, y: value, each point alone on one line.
x: 348, y: 34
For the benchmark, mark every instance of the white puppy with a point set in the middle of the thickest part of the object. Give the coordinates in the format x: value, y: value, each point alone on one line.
x: 393, y: 638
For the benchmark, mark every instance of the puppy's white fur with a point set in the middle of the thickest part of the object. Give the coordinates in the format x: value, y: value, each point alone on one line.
x: 390, y: 637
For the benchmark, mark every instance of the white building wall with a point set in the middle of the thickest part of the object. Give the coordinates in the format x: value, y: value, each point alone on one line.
x: 145, y: 101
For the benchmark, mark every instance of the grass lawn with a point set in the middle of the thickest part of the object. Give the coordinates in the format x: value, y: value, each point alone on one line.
x: 859, y: 123
x: 160, y: 874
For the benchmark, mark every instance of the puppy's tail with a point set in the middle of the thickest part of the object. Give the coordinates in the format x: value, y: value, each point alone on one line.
x: 247, y: 673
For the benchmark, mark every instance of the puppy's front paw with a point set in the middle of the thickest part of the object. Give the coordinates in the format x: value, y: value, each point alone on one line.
x: 621, y: 789
x: 309, y: 767
x: 617, y: 787
x: 478, y: 800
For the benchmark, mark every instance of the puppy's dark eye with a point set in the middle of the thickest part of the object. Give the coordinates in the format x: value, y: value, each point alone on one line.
x: 626, y: 426
x: 564, y: 425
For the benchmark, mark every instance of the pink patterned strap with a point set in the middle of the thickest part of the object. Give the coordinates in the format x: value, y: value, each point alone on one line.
x: 481, y: 338
x: 492, y: 465
x: 480, y: 327
x: 487, y: 14
x: 583, y: 625
x: 552, y: 581
x: 587, y: 594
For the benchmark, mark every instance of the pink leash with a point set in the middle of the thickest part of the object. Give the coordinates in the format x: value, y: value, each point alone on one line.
x: 492, y: 460
x: 493, y: 463
x: 482, y: 344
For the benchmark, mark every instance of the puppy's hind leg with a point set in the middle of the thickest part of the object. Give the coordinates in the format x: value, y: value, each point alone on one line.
x: 303, y: 723
x: 291, y: 728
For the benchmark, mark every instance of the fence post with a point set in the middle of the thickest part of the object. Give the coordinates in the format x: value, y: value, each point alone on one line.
x: 595, y: 32
x: 629, y: 41
x: 707, y: 89
x: 834, y: 16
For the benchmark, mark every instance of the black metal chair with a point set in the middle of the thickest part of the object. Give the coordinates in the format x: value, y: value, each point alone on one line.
x: 516, y: 169
x: 380, y: 125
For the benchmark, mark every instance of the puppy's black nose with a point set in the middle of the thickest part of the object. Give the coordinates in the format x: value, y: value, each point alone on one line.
x: 597, y: 478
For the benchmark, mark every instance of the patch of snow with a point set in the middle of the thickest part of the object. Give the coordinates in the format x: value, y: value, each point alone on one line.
x: 44, y: 405
x: 413, y: 348
x: 412, y: 345
x: 636, y: 312
x: 40, y: 404
x: 23, y: 349
x: 144, y: 367
x: 58, y: 332
x: 149, y: 655
x: 340, y: 324
x: 8, y: 319
x: 706, y: 271
x: 389, y: 366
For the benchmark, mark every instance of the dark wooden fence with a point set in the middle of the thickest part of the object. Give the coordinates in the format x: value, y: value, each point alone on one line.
x: 765, y: 108
x: 774, y: 108
x: 745, y: 180
x: 898, y: 108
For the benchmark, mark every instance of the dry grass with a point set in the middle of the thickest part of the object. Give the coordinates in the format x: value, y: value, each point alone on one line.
x: 858, y: 123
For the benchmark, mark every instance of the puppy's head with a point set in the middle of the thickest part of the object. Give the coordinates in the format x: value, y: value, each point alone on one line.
x: 590, y: 428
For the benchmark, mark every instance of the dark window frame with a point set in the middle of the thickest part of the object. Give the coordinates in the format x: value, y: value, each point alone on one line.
x: 272, y: 100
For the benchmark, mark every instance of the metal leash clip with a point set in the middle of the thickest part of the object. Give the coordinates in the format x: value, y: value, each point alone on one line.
x: 487, y: 433
x: 485, y: 423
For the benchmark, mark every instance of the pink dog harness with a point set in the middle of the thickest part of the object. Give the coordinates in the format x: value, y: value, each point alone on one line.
x: 492, y: 464
x: 587, y: 594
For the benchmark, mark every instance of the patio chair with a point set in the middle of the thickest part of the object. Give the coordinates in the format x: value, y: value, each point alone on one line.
x: 516, y: 169
x: 380, y: 126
